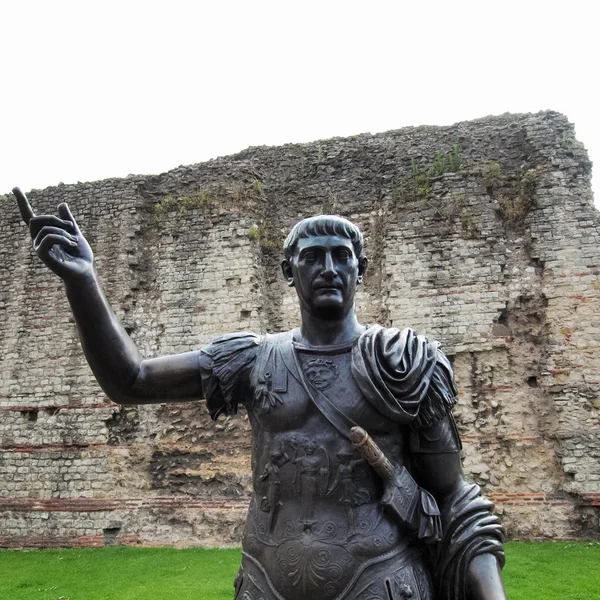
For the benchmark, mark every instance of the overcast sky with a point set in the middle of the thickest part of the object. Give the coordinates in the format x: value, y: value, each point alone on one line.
x: 101, y: 89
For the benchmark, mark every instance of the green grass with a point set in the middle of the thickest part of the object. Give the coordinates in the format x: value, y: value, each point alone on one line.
x: 118, y: 574
x: 548, y: 571
x: 534, y: 571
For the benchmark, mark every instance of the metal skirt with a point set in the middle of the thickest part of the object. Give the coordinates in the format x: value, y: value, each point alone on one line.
x: 396, y: 575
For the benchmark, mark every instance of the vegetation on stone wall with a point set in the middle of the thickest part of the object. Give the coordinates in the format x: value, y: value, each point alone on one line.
x: 451, y: 162
x: 206, y: 197
x: 492, y: 176
x: 514, y: 207
x: 179, y: 204
x: 331, y: 203
x: 458, y: 209
x: 516, y: 198
x: 514, y: 194
x: 421, y: 179
x: 266, y: 236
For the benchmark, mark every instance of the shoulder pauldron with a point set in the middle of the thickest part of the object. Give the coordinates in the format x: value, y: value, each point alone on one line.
x: 269, y: 377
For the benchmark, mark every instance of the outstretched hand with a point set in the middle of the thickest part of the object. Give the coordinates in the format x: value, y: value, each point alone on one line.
x: 57, y: 240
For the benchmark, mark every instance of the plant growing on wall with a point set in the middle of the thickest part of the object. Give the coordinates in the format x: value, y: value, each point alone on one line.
x: 206, y: 197
x: 516, y: 205
x: 492, y: 176
x: 422, y: 179
x: 267, y: 237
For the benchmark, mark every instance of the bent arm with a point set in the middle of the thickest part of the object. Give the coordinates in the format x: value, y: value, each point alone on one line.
x: 437, y: 468
x: 114, y: 358
x: 111, y: 353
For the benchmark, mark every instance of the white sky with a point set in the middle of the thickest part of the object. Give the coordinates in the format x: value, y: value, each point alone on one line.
x: 103, y: 89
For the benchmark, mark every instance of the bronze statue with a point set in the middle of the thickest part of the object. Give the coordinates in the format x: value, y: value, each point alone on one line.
x: 358, y: 487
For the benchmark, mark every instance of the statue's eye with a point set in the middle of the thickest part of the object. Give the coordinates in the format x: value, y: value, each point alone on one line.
x: 344, y: 254
x: 310, y: 256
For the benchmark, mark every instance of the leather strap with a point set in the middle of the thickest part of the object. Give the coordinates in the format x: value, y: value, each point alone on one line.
x: 332, y: 413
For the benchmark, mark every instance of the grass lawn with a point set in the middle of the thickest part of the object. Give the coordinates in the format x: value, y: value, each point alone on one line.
x: 549, y: 571
x: 534, y: 571
x: 118, y: 574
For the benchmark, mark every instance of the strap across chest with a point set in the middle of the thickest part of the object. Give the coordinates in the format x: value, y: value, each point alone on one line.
x: 279, y: 359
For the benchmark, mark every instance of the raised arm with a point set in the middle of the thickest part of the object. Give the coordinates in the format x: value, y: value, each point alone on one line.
x: 112, y: 355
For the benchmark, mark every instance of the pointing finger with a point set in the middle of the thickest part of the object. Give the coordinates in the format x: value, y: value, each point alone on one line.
x: 65, y: 213
x: 26, y: 211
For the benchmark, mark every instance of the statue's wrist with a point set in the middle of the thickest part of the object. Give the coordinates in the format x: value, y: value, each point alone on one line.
x: 81, y: 281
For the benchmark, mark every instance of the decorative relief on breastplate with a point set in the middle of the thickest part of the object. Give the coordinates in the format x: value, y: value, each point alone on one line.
x: 407, y: 582
x: 248, y: 596
x: 271, y: 502
x: 311, y: 560
x: 299, y: 468
x: 320, y: 373
x: 265, y: 397
x: 312, y: 474
x: 345, y: 489
x: 274, y: 482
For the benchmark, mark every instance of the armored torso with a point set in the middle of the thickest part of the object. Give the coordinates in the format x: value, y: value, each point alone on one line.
x: 316, y: 521
x: 320, y: 523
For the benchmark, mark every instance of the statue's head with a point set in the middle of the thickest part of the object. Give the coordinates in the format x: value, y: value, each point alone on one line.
x: 323, y: 225
x: 275, y: 455
x: 324, y: 261
x: 311, y: 446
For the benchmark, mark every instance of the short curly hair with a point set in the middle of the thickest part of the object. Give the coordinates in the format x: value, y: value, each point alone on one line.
x: 324, y: 225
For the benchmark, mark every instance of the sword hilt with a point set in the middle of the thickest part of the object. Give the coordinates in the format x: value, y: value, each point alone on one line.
x: 372, y: 453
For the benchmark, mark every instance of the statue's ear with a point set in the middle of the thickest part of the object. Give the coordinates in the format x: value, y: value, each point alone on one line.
x: 286, y: 268
x: 362, y: 267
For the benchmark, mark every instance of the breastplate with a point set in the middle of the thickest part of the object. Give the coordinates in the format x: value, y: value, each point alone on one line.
x: 315, y: 516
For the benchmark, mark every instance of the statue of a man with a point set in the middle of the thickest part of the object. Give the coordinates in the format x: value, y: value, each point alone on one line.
x: 358, y: 488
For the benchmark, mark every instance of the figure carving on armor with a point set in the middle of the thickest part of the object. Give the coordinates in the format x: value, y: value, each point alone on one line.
x: 272, y: 501
x: 391, y: 517
x: 291, y: 451
x: 345, y: 489
x: 312, y: 476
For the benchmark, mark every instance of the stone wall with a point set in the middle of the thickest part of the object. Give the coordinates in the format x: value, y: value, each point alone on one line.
x: 482, y: 235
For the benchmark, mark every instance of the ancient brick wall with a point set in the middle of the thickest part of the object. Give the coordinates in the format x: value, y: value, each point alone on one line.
x: 482, y: 235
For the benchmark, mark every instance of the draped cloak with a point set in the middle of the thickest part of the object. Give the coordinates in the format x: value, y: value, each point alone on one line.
x: 409, y: 380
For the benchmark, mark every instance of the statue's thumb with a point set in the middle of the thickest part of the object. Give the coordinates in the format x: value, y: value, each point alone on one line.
x: 65, y: 213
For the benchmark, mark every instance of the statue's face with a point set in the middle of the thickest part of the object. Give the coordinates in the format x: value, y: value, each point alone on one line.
x: 325, y: 270
x: 321, y: 376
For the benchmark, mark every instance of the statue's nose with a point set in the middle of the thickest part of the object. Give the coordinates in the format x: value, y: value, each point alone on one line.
x: 330, y: 270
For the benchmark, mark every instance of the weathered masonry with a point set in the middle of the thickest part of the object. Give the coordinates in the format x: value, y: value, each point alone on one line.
x: 482, y: 235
